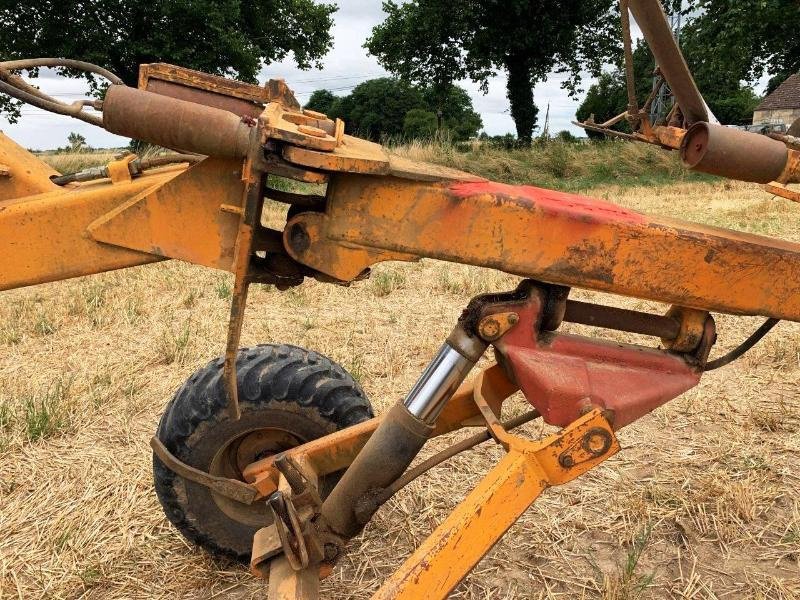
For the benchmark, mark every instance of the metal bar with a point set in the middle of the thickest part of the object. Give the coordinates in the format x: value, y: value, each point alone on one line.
x: 656, y: 30
x: 437, y: 384
x: 633, y: 103
x: 230, y: 488
x: 450, y: 452
x: 620, y: 319
x: 550, y: 236
x: 253, y: 202
x: 469, y: 532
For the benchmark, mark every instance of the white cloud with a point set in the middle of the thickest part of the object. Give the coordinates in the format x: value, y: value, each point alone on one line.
x: 347, y: 65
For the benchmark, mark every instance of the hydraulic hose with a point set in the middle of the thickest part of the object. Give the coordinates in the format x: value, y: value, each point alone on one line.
x: 16, y: 87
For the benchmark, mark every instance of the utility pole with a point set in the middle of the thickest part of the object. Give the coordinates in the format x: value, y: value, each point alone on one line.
x: 660, y: 108
x: 546, y: 132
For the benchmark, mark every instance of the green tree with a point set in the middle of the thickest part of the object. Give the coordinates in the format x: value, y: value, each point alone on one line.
x: 76, y: 142
x: 321, y: 101
x: 420, y: 124
x: 377, y: 108
x: 226, y: 37
x: 436, y: 43
x: 749, y: 38
x: 453, y: 109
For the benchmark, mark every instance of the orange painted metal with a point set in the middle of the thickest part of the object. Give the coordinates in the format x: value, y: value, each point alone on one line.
x: 44, y: 237
x: 24, y: 174
x: 183, y: 218
x: 252, y: 198
x: 100, y: 226
x: 379, y: 207
x: 337, y: 450
x: 445, y: 558
x: 551, y: 236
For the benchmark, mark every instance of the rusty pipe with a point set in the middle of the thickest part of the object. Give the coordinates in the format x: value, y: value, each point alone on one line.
x: 656, y: 30
x: 733, y: 153
x: 621, y: 319
x: 174, y: 123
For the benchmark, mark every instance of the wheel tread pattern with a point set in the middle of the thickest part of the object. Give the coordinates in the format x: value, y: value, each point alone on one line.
x: 266, y: 373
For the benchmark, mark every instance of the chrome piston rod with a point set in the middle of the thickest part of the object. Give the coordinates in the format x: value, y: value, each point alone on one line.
x: 400, y: 436
x: 438, y: 383
x: 441, y: 379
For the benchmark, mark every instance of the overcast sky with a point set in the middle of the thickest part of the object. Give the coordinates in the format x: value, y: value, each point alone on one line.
x: 347, y: 65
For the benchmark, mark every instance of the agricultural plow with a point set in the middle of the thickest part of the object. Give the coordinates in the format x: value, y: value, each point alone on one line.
x: 271, y: 455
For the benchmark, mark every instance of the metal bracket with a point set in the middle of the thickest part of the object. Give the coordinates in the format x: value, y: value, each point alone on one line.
x: 230, y: 488
x: 528, y: 468
x: 290, y: 530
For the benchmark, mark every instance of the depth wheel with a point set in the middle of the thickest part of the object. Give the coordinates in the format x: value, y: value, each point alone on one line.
x: 288, y: 396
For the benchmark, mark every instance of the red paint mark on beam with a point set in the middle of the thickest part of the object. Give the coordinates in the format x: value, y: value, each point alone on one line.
x: 573, y: 205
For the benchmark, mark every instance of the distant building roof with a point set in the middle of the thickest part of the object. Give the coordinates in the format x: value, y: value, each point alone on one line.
x: 787, y: 96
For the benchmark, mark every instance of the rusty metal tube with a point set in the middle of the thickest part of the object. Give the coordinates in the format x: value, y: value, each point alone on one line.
x: 174, y: 123
x: 384, y: 458
x: 621, y: 319
x: 657, y: 32
x: 733, y: 153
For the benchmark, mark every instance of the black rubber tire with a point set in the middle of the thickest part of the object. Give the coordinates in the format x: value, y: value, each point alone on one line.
x: 302, y: 394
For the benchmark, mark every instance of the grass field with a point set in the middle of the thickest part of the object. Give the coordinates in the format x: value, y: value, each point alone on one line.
x: 702, y: 503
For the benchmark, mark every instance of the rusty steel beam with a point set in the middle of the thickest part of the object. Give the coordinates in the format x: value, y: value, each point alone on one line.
x: 656, y: 30
x: 550, y: 236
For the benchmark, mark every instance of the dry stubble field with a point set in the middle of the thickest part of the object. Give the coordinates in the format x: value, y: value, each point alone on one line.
x: 702, y: 502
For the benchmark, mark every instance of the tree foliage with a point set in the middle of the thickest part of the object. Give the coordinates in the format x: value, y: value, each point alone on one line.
x: 720, y: 75
x: 77, y: 142
x: 749, y: 38
x: 454, y: 105
x: 437, y: 43
x: 226, y: 37
x: 378, y: 107
x: 420, y: 124
x: 389, y: 107
x: 322, y: 101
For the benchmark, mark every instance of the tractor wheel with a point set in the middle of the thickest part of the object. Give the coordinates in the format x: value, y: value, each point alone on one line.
x: 288, y: 396
x: 795, y: 129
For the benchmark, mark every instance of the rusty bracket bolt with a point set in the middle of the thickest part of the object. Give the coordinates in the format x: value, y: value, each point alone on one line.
x: 566, y: 461
x: 493, y: 327
x: 597, y: 441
